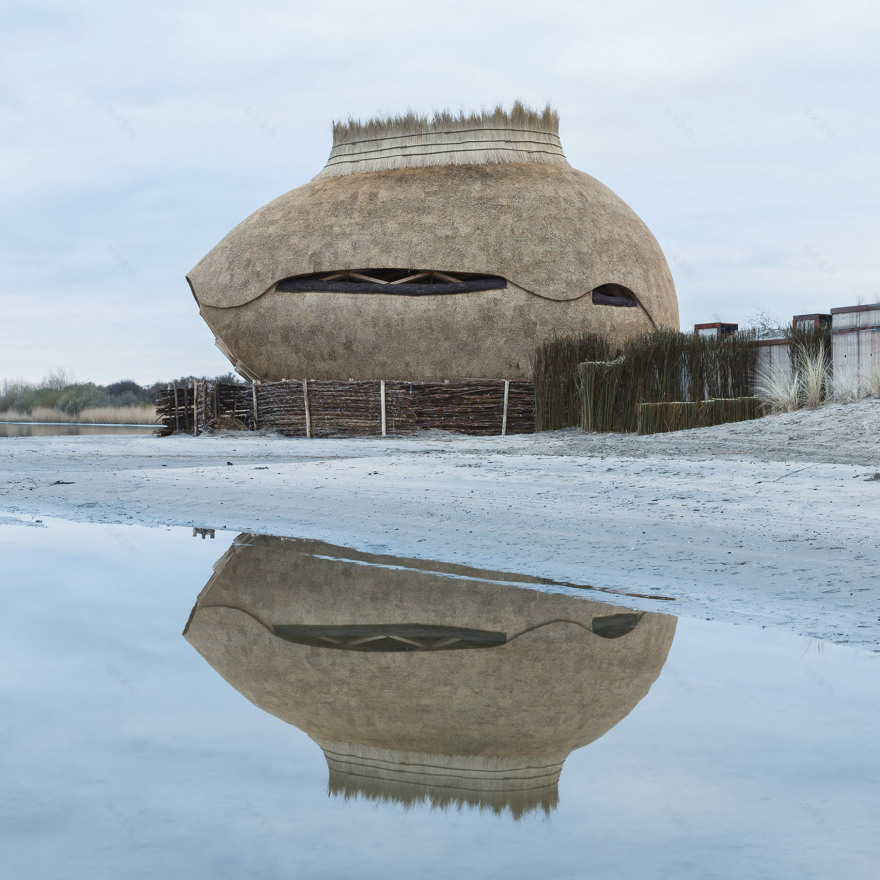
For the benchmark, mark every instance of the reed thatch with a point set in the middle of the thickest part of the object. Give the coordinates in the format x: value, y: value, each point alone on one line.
x: 545, y: 121
x: 416, y: 141
x: 489, y: 195
x: 514, y: 785
x: 488, y: 726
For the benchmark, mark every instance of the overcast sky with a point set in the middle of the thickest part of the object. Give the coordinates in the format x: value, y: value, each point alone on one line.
x: 134, y: 136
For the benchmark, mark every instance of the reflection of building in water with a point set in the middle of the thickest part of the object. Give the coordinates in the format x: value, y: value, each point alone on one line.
x: 424, y: 680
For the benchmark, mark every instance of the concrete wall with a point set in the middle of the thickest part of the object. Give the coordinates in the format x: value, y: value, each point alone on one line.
x: 773, y: 354
x: 855, y: 340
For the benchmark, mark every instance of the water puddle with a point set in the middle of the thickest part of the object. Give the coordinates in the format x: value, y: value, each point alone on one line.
x: 334, y: 713
x: 68, y: 429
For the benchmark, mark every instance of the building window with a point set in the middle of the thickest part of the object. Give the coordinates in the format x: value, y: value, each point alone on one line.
x: 614, y: 295
x: 399, y: 282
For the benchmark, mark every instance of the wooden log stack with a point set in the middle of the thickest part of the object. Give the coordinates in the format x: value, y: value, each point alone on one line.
x: 315, y: 408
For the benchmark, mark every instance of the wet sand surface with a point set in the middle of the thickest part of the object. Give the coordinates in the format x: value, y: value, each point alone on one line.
x: 773, y: 523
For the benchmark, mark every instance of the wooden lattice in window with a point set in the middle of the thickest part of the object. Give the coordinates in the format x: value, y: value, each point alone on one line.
x: 399, y: 282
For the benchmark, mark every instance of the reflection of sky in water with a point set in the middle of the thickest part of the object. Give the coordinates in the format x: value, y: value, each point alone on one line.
x: 125, y: 755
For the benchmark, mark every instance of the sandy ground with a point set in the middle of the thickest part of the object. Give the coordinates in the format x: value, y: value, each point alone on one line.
x: 772, y: 523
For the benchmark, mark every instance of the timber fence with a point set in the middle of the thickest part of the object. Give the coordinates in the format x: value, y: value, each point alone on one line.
x: 318, y: 408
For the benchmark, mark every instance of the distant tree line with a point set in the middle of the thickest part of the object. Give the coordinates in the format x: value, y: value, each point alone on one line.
x: 58, y: 391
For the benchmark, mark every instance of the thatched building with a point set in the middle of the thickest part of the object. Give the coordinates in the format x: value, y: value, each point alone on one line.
x: 424, y: 681
x: 428, y: 250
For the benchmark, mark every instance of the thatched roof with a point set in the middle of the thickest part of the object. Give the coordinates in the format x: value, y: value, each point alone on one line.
x: 486, y: 725
x: 550, y: 230
x: 517, y: 785
x: 415, y: 141
x: 487, y: 195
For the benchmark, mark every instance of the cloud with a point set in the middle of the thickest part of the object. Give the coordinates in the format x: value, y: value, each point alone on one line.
x: 135, y: 137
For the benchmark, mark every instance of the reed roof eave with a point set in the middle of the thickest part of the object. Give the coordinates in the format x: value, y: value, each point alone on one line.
x: 551, y: 230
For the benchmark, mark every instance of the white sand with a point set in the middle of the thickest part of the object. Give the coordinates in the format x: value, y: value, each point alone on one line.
x: 773, y: 523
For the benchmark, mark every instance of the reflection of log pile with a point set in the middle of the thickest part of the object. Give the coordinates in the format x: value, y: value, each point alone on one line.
x: 424, y: 682
x: 349, y: 409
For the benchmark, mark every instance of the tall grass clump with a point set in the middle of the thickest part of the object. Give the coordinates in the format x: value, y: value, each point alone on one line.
x: 849, y: 385
x: 810, y: 352
x: 807, y: 381
x: 778, y: 388
x: 37, y: 414
x: 557, y: 391
x: 814, y: 369
x: 846, y: 385
x: 119, y: 415
x: 870, y: 381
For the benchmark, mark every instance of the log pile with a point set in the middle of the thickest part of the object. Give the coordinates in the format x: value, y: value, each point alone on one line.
x: 350, y: 409
x: 345, y: 409
x: 281, y: 407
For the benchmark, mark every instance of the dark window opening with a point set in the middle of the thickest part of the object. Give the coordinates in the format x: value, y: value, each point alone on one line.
x: 613, y: 626
x: 614, y: 295
x: 399, y: 282
x: 389, y: 637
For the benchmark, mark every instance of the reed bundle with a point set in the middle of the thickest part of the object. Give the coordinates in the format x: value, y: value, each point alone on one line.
x: 601, y: 394
x: 557, y: 391
x: 669, y: 366
x: 657, y: 418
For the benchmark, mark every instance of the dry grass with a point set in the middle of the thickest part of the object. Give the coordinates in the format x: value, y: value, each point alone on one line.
x: 807, y: 382
x: 814, y: 370
x: 846, y: 385
x: 778, y: 387
x: 519, y: 116
x: 95, y: 415
x: 869, y: 385
x: 418, y: 141
x: 850, y: 385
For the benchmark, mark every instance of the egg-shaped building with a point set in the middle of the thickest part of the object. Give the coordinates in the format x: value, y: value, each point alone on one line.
x: 429, y: 250
x: 419, y: 680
